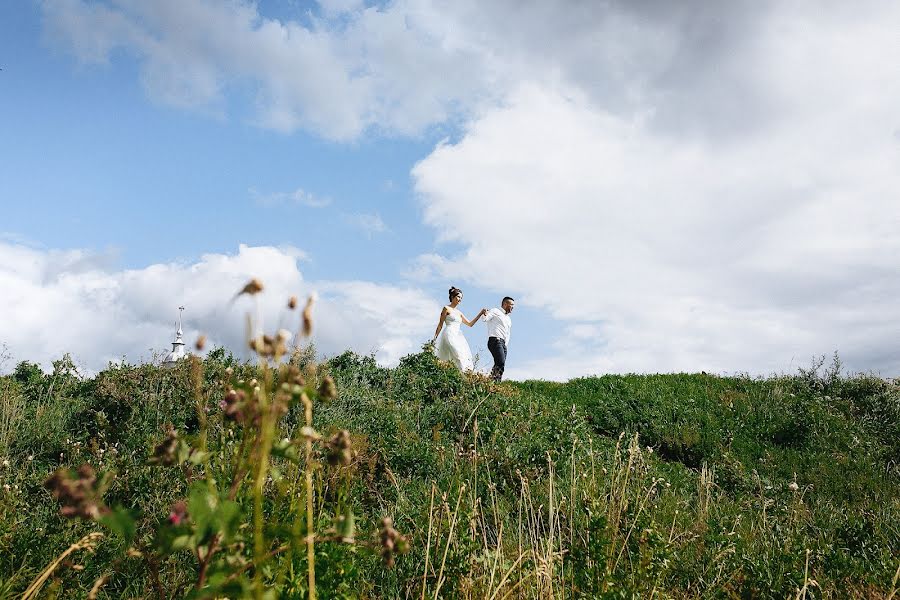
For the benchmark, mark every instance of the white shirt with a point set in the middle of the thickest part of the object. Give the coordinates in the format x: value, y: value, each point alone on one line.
x: 498, y: 324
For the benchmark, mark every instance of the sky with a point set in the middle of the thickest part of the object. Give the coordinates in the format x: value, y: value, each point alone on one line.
x: 661, y: 186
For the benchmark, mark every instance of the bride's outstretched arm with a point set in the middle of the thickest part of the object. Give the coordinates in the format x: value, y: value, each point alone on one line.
x: 473, y: 321
x: 440, y: 323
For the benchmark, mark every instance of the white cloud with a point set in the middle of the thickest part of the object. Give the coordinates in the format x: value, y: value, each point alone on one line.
x: 369, y: 223
x: 395, y: 69
x: 73, y: 301
x: 691, y: 68
x: 298, y: 197
x: 692, y: 252
x: 697, y: 185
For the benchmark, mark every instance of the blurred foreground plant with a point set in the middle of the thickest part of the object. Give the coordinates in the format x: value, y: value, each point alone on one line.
x: 233, y: 519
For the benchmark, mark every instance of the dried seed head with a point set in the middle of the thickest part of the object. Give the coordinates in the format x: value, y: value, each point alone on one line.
x: 310, y: 434
x: 327, y: 389
x: 254, y: 286
x: 292, y: 302
x: 392, y: 543
x: 78, y: 497
x: 165, y: 453
x: 294, y: 376
x: 200, y: 343
x: 307, y: 316
x: 339, y: 449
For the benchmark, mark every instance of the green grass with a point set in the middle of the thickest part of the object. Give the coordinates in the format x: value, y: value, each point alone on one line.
x: 621, y: 486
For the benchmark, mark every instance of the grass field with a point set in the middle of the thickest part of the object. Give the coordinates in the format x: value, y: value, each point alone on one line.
x: 229, y: 477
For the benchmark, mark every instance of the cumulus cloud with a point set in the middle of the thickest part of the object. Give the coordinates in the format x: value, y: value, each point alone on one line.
x: 689, y: 68
x: 687, y: 185
x: 744, y: 252
x: 401, y: 67
x: 341, y: 72
x: 77, y: 302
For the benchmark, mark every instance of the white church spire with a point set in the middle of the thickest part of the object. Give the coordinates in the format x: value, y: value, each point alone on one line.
x: 177, y: 352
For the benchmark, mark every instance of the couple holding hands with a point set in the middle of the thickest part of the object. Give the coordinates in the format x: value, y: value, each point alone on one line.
x: 450, y: 344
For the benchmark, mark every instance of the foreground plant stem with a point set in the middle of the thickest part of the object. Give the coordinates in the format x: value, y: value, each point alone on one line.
x: 310, y: 531
x: 267, y: 419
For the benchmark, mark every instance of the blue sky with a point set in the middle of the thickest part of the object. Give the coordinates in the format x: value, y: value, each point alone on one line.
x: 662, y: 189
x: 101, y: 163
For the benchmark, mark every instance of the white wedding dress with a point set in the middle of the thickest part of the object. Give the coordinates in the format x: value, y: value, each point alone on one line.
x: 451, y: 344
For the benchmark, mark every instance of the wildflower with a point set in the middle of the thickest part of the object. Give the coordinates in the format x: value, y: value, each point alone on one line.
x: 233, y: 405
x: 178, y: 513
x: 30, y: 457
x: 793, y: 486
x: 5, y: 462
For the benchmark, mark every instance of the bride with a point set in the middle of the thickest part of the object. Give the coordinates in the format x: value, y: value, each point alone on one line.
x: 452, y: 345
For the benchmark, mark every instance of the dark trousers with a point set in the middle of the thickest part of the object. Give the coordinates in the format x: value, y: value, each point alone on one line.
x: 497, y: 347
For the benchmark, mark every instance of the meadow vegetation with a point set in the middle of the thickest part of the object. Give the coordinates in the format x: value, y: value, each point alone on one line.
x: 218, y: 478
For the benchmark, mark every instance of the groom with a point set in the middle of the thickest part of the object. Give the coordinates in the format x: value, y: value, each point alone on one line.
x: 499, y: 323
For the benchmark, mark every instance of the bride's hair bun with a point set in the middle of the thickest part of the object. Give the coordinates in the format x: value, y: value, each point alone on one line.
x: 454, y: 291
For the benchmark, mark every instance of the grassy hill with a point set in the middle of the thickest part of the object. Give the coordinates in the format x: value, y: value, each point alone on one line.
x: 673, y: 486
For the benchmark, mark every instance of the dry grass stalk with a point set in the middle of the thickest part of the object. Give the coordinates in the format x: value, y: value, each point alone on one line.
x: 440, y: 579
x: 87, y: 543
x: 894, y: 588
x: 12, y: 406
x: 428, y: 543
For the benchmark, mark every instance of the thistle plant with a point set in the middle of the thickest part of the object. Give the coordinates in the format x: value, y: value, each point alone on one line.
x: 232, y: 520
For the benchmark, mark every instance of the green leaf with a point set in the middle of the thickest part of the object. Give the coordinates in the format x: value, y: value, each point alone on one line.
x: 181, y: 542
x: 345, y: 524
x: 197, y: 457
x: 285, y: 449
x: 201, y: 506
x: 228, y: 519
x: 121, y: 522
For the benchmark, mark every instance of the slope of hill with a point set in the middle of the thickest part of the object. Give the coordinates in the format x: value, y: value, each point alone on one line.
x: 616, y: 486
